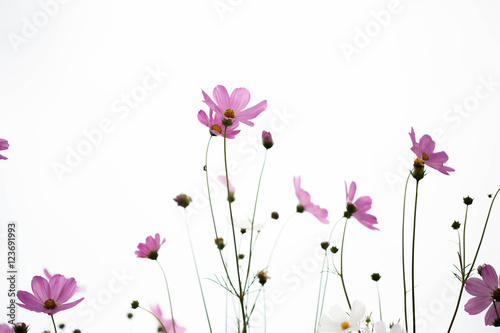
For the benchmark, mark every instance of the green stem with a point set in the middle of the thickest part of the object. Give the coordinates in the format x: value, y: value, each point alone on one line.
x: 197, y: 273
x: 241, y: 295
x: 342, y: 264
x: 253, y: 220
x: 53, y: 322
x: 403, y: 254
x: 379, y: 302
x: 465, y: 225
x: 265, y: 320
x: 413, y: 262
x: 213, y: 216
x: 464, y: 280
x: 164, y: 329
x: 320, y: 289
x: 169, y: 298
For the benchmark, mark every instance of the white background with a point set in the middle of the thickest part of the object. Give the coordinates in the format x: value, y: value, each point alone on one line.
x: 334, y: 117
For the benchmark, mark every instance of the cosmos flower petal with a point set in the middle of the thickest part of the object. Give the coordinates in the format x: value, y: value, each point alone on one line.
x: 352, y: 191
x: 30, y: 301
x: 491, y: 314
x: 357, y: 312
x: 222, y: 98
x: 68, y: 305
x: 427, y: 145
x: 477, y: 305
x: 67, y: 290
x: 477, y: 287
x: 239, y: 99
x: 367, y: 220
x: 490, y: 277
x: 203, y: 118
x: 363, y: 203
x: 41, y: 288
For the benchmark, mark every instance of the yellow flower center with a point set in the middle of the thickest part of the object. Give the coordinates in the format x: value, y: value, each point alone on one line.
x: 425, y: 156
x: 418, y: 163
x: 345, y: 325
x: 216, y: 128
x: 49, y: 304
x: 229, y: 113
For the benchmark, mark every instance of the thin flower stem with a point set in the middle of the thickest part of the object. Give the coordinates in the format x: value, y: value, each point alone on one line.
x: 413, y: 262
x: 213, y: 217
x: 253, y: 220
x: 341, y: 264
x: 325, y: 257
x: 241, y: 295
x: 464, y: 280
x: 53, y: 322
x: 318, y: 315
x: 403, y: 254
x: 168, y: 292
x: 462, y: 263
x: 379, y: 302
x: 164, y: 329
x: 197, y: 273
x: 278, y: 238
x: 264, y: 296
x: 463, y: 243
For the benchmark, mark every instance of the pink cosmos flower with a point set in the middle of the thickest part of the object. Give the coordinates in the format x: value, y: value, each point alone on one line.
x: 233, y: 107
x: 214, y: 123
x: 424, y: 149
x: 359, y: 208
x: 485, y: 290
x: 305, y: 203
x: 49, y: 296
x: 168, y: 323
x: 4, y: 144
x: 222, y: 180
x: 5, y: 328
x: 49, y: 276
x: 150, y: 248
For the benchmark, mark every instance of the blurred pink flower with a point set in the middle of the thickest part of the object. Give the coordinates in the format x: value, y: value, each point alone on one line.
x: 5, y: 328
x: 215, y: 126
x: 168, y: 323
x: 49, y: 296
x: 233, y: 107
x: 424, y: 149
x: 150, y: 248
x: 305, y: 202
x: 485, y: 290
x: 359, y: 208
x: 4, y: 144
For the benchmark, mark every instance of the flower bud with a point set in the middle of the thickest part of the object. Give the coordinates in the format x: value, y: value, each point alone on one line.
x: 300, y: 208
x: 275, y: 215
x: 263, y: 277
x: 241, y: 256
x: 418, y: 171
x: 135, y: 304
x: 267, y: 140
x: 183, y: 200
x: 61, y: 326
x: 480, y: 269
x: 376, y: 277
x: 455, y: 225
x: 129, y: 315
x: 77, y: 331
x: 468, y: 200
x: 334, y: 249
x: 21, y: 328
x: 220, y: 243
x: 325, y: 245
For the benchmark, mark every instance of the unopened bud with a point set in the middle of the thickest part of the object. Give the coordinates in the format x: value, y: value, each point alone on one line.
x: 267, y: 139
x: 376, y: 277
x: 455, y: 225
x: 220, y: 243
x: 418, y: 171
x: 263, y: 277
x: 183, y: 200
x: 275, y: 215
x: 334, y: 249
x: 325, y: 245
x: 135, y: 304
x: 468, y: 200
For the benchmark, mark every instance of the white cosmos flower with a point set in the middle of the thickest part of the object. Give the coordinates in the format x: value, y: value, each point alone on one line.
x: 337, y: 320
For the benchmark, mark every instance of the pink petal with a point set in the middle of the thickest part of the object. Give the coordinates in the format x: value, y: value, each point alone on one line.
x: 367, y: 220
x: 491, y: 315
x: 67, y: 290
x: 250, y: 113
x: 415, y: 148
x: 4, y: 144
x: 427, y: 145
x: 320, y: 213
x: 208, y: 101
x: 40, y: 288
x: 239, y: 99
x: 203, y: 118
x: 65, y: 306
x: 490, y: 277
x: 477, y: 305
x: 28, y: 299
x: 363, y: 203
x: 477, y: 287
x: 222, y: 98
x: 303, y: 196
